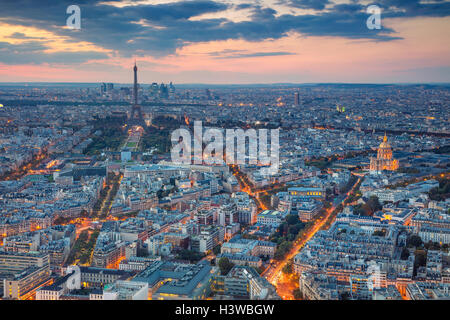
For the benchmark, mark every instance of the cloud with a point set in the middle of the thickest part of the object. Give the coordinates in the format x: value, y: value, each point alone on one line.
x: 306, y: 4
x: 414, y: 8
x: 238, y: 54
x: 33, y: 52
x: 31, y: 47
x: 160, y: 29
x: 243, y: 6
x: 22, y: 36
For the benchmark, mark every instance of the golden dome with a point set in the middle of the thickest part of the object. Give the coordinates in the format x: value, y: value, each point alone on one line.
x: 385, y: 144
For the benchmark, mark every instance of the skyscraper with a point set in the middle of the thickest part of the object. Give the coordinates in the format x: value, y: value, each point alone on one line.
x: 154, y: 89
x: 297, y: 99
x: 163, y: 91
x: 171, y: 89
x: 103, y: 88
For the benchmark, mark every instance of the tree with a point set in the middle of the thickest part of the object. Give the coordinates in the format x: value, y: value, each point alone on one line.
x: 216, y: 249
x: 142, y: 252
x: 420, y: 260
x: 260, y: 269
x: 282, y: 249
x: 292, y: 219
x: 84, y: 213
x: 349, y: 184
x: 442, y: 192
x: 295, y: 229
x: 369, y: 208
x: 225, y: 265
x: 287, y: 269
x: 374, y: 204
x: 298, y: 295
x: 265, y: 199
x: 404, y: 254
x: 414, y: 241
x: 190, y: 255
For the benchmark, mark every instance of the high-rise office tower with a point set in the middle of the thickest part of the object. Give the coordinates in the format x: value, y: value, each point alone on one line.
x: 297, y: 99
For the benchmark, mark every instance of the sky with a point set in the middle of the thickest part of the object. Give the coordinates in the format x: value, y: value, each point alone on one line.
x: 225, y: 41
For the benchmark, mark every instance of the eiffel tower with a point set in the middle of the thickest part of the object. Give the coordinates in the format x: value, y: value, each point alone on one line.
x: 136, y: 116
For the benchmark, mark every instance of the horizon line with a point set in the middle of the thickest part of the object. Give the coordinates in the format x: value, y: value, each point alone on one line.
x: 231, y: 84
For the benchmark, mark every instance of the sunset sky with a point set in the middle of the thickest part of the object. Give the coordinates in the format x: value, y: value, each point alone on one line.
x: 225, y: 41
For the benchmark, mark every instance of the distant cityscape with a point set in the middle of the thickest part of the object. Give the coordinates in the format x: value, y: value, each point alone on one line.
x: 92, y: 207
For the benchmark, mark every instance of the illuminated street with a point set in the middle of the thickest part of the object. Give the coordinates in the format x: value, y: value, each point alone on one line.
x: 273, y: 273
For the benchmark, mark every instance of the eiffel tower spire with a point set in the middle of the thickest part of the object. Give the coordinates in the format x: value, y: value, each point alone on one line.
x: 136, y: 117
x: 135, y: 87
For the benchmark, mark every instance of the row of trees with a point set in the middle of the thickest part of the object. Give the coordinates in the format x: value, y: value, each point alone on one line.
x: 326, y: 162
x: 286, y: 234
x: 288, y: 229
x: 110, y: 139
x: 266, y: 198
x: 349, y: 184
x: 83, y: 247
x: 414, y: 241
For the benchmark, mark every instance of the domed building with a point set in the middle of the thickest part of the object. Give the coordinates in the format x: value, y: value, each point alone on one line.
x: 384, y: 159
